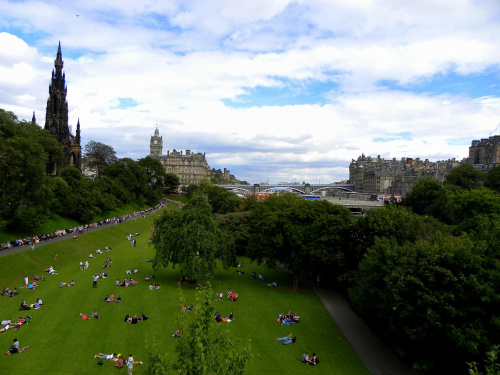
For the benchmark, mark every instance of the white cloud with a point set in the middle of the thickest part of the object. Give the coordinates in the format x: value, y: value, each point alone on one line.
x: 177, y: 62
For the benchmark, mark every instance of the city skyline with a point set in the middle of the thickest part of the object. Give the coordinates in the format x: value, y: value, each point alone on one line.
x: 271, y: 90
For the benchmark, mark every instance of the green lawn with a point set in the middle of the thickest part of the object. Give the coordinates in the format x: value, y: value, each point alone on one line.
x: 62, y: 343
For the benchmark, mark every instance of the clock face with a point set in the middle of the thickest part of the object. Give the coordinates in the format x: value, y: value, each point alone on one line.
x: 155, y: 142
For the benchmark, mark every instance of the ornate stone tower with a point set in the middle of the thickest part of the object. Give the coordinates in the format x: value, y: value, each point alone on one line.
x: 56, y: 115
x: 156, y: 145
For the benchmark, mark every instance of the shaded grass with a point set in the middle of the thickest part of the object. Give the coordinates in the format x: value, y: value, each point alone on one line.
x: 55, y: 222
x: 62, y: 343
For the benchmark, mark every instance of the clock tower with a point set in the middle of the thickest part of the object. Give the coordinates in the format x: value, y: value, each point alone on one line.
x: 155, y: 145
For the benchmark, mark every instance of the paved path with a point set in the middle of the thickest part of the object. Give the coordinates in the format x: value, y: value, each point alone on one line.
x: 376, y: 355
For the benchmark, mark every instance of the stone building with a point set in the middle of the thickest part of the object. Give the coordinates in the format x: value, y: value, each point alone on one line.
x: 485, y: 154
x: 381, y: 176
x: 191, y: 168
x: 56, y: 115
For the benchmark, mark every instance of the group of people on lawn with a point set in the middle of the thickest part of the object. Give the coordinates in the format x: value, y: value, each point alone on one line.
x: 135, y: 319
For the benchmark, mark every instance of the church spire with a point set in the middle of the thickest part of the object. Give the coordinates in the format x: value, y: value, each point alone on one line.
x: 77, y: 138
x: 33, y: 119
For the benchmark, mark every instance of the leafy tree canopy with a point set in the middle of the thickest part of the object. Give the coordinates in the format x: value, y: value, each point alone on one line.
x: 191, y: 239
x: 299, y: 234
x: 99, y: 156
x: 464, y: 176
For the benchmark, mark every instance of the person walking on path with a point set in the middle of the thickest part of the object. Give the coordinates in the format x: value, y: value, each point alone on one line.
x: 95, y: 281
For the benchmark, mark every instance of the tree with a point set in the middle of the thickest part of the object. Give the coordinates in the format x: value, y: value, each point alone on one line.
x: 172, y: 182
x: 99, y: 156
x: 424, y: 197
x: 204, y: 347
x: 492, y: 180
x: 239, y: 226
x: 25, y: 192
x: 301, y: 235
x: 191, y: 239
x: 465, y: 177
x: 492, y: 364
x: 434, y: 300
x: 465, y: 208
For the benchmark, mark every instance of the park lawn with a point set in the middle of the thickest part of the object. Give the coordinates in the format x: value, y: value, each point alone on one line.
x: 62, y: 343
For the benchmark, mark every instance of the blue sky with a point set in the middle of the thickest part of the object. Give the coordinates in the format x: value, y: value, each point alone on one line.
x: 273, y: 90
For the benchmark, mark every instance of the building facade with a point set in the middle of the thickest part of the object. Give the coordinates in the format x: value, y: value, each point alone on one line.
x: 484, y: 154
x: 191, y: 168
x: 381, y: 176
x: 56, y: 115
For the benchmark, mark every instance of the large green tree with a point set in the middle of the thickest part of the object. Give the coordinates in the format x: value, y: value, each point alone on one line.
x: 425, y: 197
x: 492, y: 179
x: 191, y: 239
x: 99, y: 156
x: 433, y: 300
x: 301, y: 235
x: 465, y: 208
x: 464, y: 176
x: 25, y: 191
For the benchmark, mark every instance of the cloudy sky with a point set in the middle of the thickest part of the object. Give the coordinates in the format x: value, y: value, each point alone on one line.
x: 274, y: 90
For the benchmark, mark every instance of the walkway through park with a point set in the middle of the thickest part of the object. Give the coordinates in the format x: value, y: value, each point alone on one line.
x: 376, y: 355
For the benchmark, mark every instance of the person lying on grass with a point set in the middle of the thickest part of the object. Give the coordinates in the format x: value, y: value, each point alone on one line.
x: 95, y: 314
x: 284, y: 338
x: 177, y: 334
x: 14, y: 348
x: 22, y: 321
x: 13, y: 293
x: 109, y: 357
x: 84, y: 317
x: 290, y: 341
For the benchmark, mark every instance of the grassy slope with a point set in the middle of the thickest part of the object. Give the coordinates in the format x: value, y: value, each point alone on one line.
x: 63, y: 343
x: 55, y: 222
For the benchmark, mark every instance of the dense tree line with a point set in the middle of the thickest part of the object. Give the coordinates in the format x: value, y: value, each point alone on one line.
x: 34, y: 182
x: 425, y: 274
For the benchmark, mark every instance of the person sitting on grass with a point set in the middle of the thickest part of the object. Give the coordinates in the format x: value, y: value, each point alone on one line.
x: 14, y: 292
x: 24, y: 306
x: 151, y: 287
x: 128, y: 319
x: 14, y: 348
x: 274, y: 284
x: 135, y: 320
x: 157, y: 286
x: 305, y: 358
x: 6, y: 291
x: 143, y: 317
x: 120, y: 362
x: 314, y: 360
x: 95, y: 314
x: 109, y: 357
x: 37, y: 305
x: 118, y: 299
x: 107, y: 299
